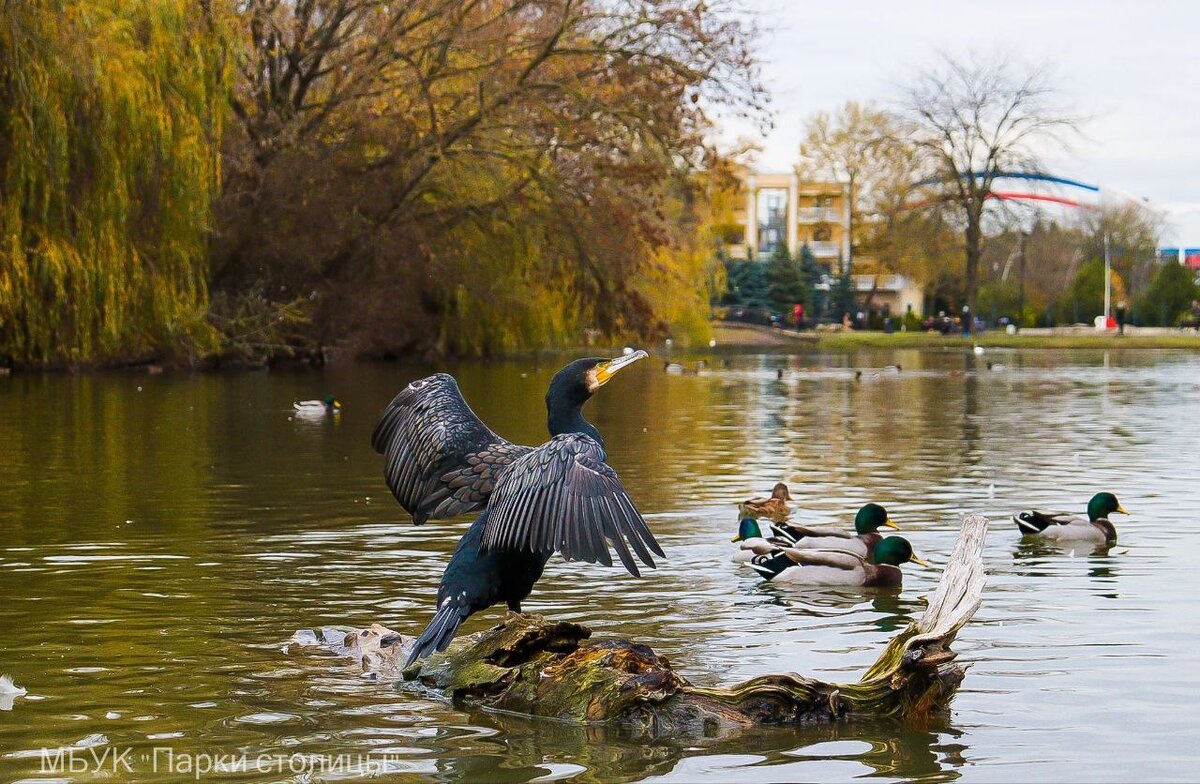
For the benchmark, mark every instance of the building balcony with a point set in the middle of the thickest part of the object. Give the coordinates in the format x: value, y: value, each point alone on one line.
x: 818, y: 215
x: 824, y: 250
x: 889, y: 282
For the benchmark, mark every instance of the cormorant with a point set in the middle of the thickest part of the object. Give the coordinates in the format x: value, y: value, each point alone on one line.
x: 562, y: 496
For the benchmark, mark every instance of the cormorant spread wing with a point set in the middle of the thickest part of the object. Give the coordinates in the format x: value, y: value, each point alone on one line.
x: 442, y: 460
x: 562, y: 496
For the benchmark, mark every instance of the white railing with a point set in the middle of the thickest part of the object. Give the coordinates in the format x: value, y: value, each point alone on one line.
x: 881, y: 282
x: 825, y: 250
x: 818, y: 215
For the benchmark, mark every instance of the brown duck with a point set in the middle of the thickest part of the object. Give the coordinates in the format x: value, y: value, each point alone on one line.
x: 774, y: 508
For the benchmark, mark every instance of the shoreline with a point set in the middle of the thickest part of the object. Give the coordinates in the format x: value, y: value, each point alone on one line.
x: 733, y: 335
x: 729, y: 336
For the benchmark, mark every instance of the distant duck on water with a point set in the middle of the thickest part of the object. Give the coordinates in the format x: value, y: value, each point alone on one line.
x: 327, y: 405
x: 875, y: 375
x: 1065, y: 526
x: 676, y: 369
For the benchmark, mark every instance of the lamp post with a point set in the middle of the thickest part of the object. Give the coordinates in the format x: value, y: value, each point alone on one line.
x: 1107, y: 281
x: 1021, y: 289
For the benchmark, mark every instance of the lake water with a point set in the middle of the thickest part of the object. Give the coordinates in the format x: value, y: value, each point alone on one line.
x: 162, y: 537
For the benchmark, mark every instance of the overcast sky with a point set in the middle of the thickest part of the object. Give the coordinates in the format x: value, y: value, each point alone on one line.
x: 1131, y: 67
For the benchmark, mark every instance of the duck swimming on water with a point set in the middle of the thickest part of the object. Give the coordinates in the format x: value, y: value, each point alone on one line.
x: 562, y: 496
x: 752, y: 542
x: 1064, y: 526
x: 327, y: 405
x: 837, y: 567
x: 868, y: 521
x: 773, y: 508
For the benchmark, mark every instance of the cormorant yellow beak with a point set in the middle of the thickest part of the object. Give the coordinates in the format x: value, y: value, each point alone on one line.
x: 1121, y: 509
x: 888, y: 522
x: 606, y: 370
x: 917, y: 560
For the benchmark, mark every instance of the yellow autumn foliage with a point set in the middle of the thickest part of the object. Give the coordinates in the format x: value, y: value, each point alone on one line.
x: 111, y: 115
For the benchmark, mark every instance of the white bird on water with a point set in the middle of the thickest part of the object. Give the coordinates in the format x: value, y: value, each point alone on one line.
x: 9, y: 691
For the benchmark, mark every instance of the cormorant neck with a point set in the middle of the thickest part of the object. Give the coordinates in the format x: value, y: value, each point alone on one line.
x: 567, y: 417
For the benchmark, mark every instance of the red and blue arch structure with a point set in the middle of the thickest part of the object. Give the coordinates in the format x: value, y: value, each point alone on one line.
x: 1022, y: 195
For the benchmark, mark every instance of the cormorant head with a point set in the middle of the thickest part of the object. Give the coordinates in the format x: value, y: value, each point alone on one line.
x: 748, y: 529
x: 1102, y: 505
x: 572, y: 386
x: 895, y: 550
x: 871, y: 518
x: 332, y: 402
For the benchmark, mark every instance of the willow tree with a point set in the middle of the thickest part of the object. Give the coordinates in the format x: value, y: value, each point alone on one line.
x: 110, y: 118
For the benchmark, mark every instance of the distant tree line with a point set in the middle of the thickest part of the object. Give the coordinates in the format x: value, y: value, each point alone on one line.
x: 183, y: 179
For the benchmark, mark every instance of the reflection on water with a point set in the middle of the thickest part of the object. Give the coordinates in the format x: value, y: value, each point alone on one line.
x: 161, y: 537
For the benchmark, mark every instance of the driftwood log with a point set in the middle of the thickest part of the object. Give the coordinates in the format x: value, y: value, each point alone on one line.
x: 539, y: 667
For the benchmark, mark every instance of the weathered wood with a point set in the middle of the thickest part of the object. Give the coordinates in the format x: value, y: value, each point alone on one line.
x: 535, y: 666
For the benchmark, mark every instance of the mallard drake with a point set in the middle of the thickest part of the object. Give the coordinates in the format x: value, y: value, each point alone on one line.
x: 868, y: 521
x: 774, y: 508
x: 327, y: 405
x: 752, y: 542
x: 838, y: 567
x: 1064, y: 526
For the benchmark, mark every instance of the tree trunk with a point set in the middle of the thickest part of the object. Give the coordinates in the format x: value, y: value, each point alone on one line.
x: 535, y: 666
x: 974, y: 242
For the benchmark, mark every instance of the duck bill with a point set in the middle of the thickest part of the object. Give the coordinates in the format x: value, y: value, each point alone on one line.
x: 917, y: 560
x: 737, y: 538
x: 888, y: 522
x: 606, y: 370
x: 1121, y: 509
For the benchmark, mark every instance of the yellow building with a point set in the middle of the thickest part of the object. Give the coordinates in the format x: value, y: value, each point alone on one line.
x: 783, y: 210
x: 780, y: 209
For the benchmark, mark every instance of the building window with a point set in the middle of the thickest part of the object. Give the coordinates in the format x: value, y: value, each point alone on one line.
x: 822, y: 234
x: 772, y: 220
x: 824, y: 202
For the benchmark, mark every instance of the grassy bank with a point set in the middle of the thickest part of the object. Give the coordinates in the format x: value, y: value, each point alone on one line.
x: 731, y: 335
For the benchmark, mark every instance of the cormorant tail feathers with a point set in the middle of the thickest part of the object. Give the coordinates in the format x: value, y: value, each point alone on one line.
x: 440, y: 631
